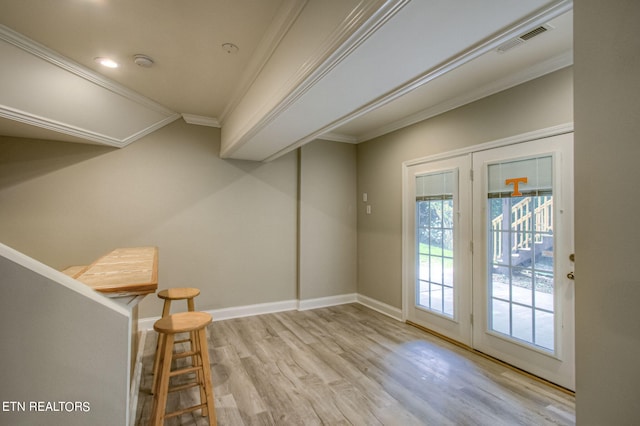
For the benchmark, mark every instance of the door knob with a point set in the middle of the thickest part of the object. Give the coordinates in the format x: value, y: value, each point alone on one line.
x: 572, y: 257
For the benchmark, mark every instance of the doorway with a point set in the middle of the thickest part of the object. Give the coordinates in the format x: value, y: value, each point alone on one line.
x: 488, y: 236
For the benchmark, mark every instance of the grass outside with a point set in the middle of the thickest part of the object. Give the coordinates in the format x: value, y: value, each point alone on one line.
x: 427, y: 251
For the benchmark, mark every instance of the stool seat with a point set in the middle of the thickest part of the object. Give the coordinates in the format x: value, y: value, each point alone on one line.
x: 182, y: 322
x: 178, y: 293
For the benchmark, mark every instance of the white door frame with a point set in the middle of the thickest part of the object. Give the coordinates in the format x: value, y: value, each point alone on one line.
x: 408, y: 264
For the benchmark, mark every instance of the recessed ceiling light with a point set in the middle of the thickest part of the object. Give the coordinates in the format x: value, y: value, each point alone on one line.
x: 110, y: 63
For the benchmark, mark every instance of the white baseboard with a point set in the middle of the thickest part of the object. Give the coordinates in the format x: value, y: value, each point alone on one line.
x: 383, y: 308
x: 289, y: 305
x: 234, y: 312
x: 251, y: 310
x: 323, y: 302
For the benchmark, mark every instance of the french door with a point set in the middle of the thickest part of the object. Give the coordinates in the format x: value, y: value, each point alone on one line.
x: 488, y: 239
x: 439, y: 223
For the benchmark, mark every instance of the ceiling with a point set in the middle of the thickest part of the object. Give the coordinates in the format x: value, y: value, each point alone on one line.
x: 343, y: 70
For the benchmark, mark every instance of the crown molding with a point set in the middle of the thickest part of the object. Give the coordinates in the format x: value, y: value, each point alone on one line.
x: 201, y: 120
x: 165, y: 115
x: 337, y: 137
x: 285, y: 18
x: 88, y: 74
x: 532, y: 21
x: 554, y: 64
x: 354, y: 30
x: 149, y: 129
x: 56, y: 126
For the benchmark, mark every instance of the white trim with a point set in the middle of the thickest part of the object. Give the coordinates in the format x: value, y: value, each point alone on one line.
x: 554, y: 64
x: 558, y: 8
x: 527, y: 24
x: 355, y: 29
x: 56, y: 126
x: 383, y: 308
x: 251, y: 310
x: 43, y: 52
x: 234, y: 312
x: 323, y: 302
x: 338, y: 137
x: 146, y: 324
x: 201, y: 120
x: 40, y: 51
x: 290, y: 305
x: 285, y: 18
x: 523, y: 137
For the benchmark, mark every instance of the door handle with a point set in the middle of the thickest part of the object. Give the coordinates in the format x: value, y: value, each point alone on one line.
x: 571, y: 275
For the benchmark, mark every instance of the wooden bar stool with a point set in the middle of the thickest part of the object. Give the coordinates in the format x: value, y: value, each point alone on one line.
x: 178, y: 293
x: 168, y: 327
x: 170, y: 294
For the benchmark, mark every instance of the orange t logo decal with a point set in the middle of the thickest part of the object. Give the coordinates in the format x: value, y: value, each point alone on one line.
x: 516, y: 181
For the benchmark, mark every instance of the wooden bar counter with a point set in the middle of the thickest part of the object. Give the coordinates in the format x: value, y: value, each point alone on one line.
x: 127, y: 274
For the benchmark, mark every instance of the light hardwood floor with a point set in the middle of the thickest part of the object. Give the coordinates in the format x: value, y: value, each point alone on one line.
x: 350, y: 365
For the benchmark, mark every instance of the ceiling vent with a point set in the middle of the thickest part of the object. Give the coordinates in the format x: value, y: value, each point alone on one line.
x: 523, y: 38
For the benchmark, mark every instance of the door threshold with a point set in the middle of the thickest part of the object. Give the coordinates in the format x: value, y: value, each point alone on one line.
x: 491, y: 358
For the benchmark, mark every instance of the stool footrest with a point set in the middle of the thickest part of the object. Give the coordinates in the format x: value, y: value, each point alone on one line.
x: 185, y: 410
x: 183, y: 387
x: 184, y: 354
x: 184, y: 371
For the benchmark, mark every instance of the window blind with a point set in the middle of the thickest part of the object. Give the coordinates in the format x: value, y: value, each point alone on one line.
x: 537, y: 171
x: 436, y: 186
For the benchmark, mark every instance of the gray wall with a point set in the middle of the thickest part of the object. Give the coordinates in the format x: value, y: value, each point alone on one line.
x: 328, y: 228
x: 538, y: 104
x: 607, y: 132
x: 58, y: 345
x: 227, y: 227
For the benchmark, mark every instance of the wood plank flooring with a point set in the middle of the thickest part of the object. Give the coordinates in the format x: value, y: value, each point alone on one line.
x: 350, y: 365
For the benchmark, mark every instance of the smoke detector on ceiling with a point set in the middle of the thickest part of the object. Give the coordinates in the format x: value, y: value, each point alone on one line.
x: 142, y: 60
x: 504, y: 47
x: 230, y: 48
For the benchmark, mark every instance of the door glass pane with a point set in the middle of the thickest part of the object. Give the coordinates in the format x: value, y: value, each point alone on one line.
x: 520, y: 229
x: 434, y: 236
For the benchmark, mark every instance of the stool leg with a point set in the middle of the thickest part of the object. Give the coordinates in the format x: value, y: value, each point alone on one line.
x: 157, y: 361
x: 160, y: 397
x: 190, y: 305
x: 166, y: 309
x: 206, y: 372
x: 196, y: 346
